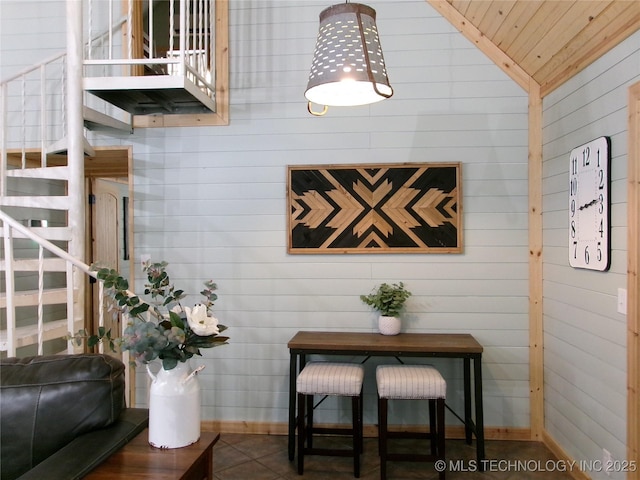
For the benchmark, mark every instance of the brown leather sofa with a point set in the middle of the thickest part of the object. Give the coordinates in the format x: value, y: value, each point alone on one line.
x: 62, y: 415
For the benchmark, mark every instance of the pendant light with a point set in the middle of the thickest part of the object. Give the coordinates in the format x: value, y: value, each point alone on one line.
x: 348, y: 68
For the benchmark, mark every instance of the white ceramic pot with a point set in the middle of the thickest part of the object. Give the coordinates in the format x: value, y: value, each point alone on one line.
x: 388, y: 325
x: 174, y: 407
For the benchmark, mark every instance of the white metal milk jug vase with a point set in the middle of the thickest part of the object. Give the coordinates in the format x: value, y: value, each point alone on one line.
x: 174, y: 406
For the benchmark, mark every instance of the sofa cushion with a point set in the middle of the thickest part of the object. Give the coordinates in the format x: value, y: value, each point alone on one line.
x: 47, y: 401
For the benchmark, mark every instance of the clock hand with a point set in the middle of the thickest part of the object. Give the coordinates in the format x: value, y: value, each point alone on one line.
x: 592, y: 202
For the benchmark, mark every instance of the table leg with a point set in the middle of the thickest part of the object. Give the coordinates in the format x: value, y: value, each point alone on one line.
x: 292, y: 405
x: 468, y: 422
x: 477, y: 369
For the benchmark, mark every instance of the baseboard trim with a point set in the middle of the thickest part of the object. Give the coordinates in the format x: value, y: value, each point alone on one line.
x: 263, y: 428
x: 560, y: 453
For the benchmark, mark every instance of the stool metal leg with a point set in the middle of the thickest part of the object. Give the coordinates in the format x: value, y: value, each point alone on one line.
x: 301, y: 432
x: 433, y: 430
x: 361, y: 400
x: 440, y: 436
x: 382, y: 437
x: 379, y: 427
x: 309, y: 421
x: 357, y: 439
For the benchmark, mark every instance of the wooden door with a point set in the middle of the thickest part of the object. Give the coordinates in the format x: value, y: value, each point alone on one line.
x: 106, y: 225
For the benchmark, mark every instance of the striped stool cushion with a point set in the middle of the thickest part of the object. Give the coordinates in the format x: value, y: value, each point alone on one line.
x: 326, y: 378
x: 410, y: 381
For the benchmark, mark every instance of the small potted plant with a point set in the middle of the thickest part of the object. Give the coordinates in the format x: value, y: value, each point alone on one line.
x: 388, y: 300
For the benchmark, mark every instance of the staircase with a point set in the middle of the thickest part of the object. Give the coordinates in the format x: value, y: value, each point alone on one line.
x: 42, y: 297
x: 46, y: 113
x: 49, y: 281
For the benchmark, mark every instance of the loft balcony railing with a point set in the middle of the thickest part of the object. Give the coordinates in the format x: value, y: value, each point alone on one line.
x: 158, y: 59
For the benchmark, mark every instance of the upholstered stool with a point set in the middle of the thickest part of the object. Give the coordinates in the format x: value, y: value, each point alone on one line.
x: 420, y: 382
x: 326, y: 378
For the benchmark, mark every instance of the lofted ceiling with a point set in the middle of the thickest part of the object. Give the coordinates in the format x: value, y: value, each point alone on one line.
x: 548, y: 41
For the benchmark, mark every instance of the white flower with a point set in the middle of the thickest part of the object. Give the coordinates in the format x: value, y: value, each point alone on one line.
x: 200, y: 323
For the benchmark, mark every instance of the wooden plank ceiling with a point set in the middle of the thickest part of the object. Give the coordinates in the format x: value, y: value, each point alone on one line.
x: 548, y: 40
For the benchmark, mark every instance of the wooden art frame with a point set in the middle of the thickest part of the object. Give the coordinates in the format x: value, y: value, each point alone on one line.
x: 375, y: 208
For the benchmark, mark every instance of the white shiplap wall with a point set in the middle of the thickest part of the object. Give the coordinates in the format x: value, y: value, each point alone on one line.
x: 19, y: 47
x: 585, y: 337
x: 212, y: 201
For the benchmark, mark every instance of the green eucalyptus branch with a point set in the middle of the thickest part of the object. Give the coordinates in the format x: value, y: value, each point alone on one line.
x: 169, y: 336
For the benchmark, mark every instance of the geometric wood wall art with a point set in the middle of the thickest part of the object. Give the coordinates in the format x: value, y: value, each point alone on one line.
x: 375, y: 208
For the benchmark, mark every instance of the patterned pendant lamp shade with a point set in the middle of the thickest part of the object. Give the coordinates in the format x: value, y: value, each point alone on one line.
x: 343, y: 72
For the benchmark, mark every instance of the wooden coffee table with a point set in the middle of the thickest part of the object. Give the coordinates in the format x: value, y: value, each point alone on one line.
x: 139, y: 460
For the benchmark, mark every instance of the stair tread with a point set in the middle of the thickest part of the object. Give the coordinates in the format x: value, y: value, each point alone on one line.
x: 98, y: 121
x: 32, y: 265
x: 28, y: 335
x: 48, y: 233
x: 27, y: 298
x: 51, y: 202
x: 49, y: 173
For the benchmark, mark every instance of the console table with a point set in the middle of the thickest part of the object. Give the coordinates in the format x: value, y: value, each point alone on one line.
x: 455, y: 345
x: 139, y: 460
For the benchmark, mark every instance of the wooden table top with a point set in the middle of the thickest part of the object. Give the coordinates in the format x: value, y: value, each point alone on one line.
x: 138, y: 460
x: 457, y: 343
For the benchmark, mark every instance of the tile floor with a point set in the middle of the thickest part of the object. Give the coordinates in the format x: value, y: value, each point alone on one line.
x: 264, y: 457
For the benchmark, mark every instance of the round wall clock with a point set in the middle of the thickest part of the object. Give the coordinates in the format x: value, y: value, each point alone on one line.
x: 589, y: 207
